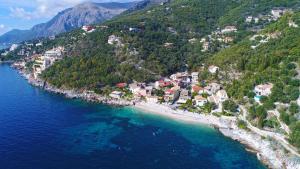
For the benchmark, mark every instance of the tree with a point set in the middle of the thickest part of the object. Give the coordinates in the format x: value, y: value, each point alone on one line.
x: 295, y: 134
x: 294, y: 108
x: 230, y: 105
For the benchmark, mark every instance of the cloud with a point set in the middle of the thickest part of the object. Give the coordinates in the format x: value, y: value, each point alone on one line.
x: 20, y: 13
x: 2, y: 26
x: 42, y: 9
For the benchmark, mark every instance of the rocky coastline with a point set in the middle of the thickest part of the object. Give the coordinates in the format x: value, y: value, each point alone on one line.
x: 272, y: 154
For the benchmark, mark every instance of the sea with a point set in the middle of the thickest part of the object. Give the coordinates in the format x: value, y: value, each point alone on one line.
x: 42, y: 130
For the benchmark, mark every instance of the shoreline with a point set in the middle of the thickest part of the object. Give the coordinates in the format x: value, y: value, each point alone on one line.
x: 269, y: 153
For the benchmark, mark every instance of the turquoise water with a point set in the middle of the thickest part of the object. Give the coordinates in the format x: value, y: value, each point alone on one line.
x: 40, y: 130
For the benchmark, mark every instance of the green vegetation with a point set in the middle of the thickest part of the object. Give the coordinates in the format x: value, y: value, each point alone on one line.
x: 144, y: 54
x: 242, y: 124
x: 230, y: 106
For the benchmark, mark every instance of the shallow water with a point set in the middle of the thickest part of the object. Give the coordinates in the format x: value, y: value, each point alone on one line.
x: 40, y: 130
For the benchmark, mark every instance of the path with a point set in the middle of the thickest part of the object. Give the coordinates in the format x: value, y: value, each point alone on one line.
x: 276, y: 136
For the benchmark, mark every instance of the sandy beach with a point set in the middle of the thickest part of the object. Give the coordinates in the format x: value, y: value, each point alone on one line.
x: 269, y: 152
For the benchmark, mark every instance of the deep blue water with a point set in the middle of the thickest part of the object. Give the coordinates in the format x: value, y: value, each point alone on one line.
x: 40, y: 130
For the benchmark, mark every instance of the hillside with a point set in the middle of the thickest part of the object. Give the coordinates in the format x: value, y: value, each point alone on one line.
x: 67, y: 20
x: 270, y: 56
x: 160, y: 44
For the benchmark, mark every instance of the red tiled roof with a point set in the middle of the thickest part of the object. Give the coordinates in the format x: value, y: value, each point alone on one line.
x: 121, y: 85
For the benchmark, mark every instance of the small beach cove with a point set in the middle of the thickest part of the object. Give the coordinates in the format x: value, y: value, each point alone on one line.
x: 55, y: 132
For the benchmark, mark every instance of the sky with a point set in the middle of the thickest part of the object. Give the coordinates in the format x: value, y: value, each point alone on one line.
x: 23, y: 14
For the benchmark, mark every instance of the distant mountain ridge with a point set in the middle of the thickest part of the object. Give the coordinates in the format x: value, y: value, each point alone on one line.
x: 69, y: 19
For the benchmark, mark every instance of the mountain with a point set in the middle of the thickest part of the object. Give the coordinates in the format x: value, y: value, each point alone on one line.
x: 147, y: 3
x: 69, y: 19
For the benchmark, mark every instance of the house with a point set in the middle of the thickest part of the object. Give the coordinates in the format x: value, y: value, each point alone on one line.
x: 169, y: 95
x: 213, y: 69
x: 263, y: 89
x: 168, y: 45
x: 114, y: 40
x: 131, y: 29
x: 193, y: 40
x: 249, y: 19
x: 51, y: 37
x: 212, y: 88
x: 205, y: 46
x: 199, y: 101
x: 163, y: 83
x: 229, y: 29
x: 121, y: 85
x: 222, y: 96
x: 13, y: 47
x: 184, y: 97
x: 196, y: 89
x: 228, y: 39
x: 88, y: 28
x: 54, y: 53
x: 145, y: 91
x: 195, y: 77
x: 293, y: 24
x: 278, y: 12
x: 180, y: 76
x: 152, y: 99
x: 39, y: 44
x: 134, y: 88
x: 116, y: 95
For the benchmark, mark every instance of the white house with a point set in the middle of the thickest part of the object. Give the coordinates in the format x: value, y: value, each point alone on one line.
x: 205, y: 46
x: 13, y: 47
x: 222, y: 96
x: 134, y: 88
x: 293, y: 24
x: 113, y: 39
x: 184, y: 97
x: 195, y: 77
x: 39, y: 44
x: 249, y: 19
x: 229, y: 29
x: 199, y: 101
x: 278, y: 12
x: 263, y: 89
x: 152, y: 99
x: 213, y: 69
x: 116, y: 94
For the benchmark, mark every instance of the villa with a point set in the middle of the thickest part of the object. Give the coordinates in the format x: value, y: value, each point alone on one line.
x: 113, y: 39
x: 263, y: 89
x: 222, y: 96
x: 116, y: 95
x: 229, y: 29
x: 278, y: 12
x: 169, y: 95
x: 195, y: 77
x: 249, y: 19
x: 121, y: 85
x: 213, y: 69
x: 197, y: 89
x: 88, y: 28
x: 199, y: 101
x: 184, y: 97
x: 205, y: 46
x: 152, y: 99
x: 163, y: 83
